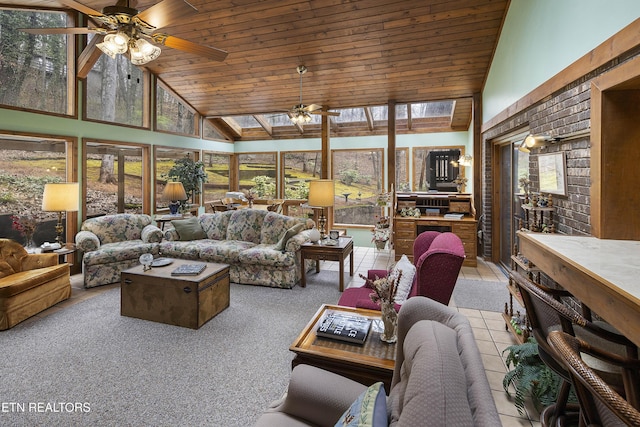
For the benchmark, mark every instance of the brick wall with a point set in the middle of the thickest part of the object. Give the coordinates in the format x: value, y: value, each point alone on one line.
x: 566, y: 112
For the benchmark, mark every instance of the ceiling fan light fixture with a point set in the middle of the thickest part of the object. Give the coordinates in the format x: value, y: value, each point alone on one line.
x: 114, y: 44
x: 141, y: 52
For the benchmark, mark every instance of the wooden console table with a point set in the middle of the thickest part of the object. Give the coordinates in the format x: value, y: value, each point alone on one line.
x: 601, y: 273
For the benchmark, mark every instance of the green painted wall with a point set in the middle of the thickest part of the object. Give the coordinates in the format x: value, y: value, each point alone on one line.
x: 542, y: 37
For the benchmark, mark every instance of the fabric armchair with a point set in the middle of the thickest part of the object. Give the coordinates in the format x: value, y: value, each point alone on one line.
x: 438, y: 258
x: 29, y: 283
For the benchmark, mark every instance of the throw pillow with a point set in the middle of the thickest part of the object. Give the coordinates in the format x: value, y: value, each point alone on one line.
x: 5, y: 269
x: 189, y: 229
x: 282, y: 243
x: 369, y: 409
x: 406, y: 281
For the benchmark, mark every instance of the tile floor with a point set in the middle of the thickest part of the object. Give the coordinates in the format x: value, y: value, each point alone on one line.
x: 488, y: 326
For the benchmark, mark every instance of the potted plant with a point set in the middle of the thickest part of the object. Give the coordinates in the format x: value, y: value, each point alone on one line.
x: 191, y: 174
x: 530, y: 376
x: 381, y: 232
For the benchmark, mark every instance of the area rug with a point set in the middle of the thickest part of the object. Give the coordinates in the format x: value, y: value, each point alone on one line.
x: 482, y: 295
x: 87, y: 365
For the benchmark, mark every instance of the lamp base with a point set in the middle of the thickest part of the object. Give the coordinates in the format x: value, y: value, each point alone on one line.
x: 322, y: 221
x: 59, y: 230
x: 173, y: 207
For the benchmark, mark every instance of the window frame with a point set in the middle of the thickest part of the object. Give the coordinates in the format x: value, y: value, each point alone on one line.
x: 196, y: 115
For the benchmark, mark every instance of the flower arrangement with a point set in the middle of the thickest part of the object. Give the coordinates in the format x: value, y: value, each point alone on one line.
x: 460, y: 182
x: 380, y: 232
x: 384, y: 288
x: 26, y: 226
x: 249, y: 196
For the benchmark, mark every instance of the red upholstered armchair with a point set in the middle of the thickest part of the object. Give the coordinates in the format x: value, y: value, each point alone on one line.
x: 437, y: 257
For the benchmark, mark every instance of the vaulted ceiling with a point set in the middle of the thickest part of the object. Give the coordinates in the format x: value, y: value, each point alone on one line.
x: 359, y: 53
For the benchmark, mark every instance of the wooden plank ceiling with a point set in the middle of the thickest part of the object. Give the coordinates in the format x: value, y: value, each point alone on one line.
x: 359, y: 53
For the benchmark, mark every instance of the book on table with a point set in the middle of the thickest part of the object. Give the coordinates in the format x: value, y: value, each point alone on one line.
x: 189, y: 269
x: 344, y: 327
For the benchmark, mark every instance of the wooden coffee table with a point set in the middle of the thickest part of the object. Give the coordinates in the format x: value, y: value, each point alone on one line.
x: 369, y: 363
x: 317, y: 252
x: 188, y: 301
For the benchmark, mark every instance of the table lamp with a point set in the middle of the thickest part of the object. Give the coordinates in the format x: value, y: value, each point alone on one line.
x: 174, y: 191
x: 321, y: 195
x: 60, y: 197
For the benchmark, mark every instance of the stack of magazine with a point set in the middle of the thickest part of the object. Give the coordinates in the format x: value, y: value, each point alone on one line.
x: 189, y: 270
x: 344, y: 327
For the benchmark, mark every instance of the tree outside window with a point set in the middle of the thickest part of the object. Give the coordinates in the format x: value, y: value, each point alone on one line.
x: 359, y: 179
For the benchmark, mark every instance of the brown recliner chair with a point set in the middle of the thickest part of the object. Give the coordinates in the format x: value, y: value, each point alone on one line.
x: 29, y: 283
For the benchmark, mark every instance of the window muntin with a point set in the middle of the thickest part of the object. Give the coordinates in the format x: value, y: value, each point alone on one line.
x: 114, y: 178
x: 34, y: 72
x: 358, y: 178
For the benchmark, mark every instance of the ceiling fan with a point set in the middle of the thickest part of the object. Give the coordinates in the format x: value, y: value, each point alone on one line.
x: 126, y: 30
x: 300, y: 114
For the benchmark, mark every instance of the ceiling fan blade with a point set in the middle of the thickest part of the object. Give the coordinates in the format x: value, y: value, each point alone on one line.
x: 81, y: 8
x: 58, y: 30
x: 312, y: 107
x: 187, y: 46
x: 325, y: 113
x: 162, y: 14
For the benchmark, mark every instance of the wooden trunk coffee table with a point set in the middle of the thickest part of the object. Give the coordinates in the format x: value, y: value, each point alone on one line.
x: 188, y: 301
x: 374, y: 361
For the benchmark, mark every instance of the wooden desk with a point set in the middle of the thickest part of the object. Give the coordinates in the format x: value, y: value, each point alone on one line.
x: 406, y: 229
x: 604, y: 274
x: 374, y: 361
x: 324, y: 252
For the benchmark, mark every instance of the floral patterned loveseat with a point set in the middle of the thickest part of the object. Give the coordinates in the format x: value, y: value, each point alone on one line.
x: 248, y: 240
x: 113, y: 243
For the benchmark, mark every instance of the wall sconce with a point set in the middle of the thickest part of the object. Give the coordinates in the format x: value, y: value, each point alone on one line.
x: 321, y: 195
x: 174, y: 191
x: 60, y: 197
x: 536, y: 141
x: 465, y: 160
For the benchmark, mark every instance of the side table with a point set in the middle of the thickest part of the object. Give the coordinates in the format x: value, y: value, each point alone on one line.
x: 317, y: 252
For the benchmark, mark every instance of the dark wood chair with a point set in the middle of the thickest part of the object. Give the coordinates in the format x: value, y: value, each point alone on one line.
x: 601, y: 404
x: 547, y: 312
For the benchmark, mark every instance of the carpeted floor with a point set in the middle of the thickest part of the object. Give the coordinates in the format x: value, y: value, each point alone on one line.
x: 482, y: 295
x: 133, y: 372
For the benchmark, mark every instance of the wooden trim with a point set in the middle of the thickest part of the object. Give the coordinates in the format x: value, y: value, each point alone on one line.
x: 616, y: 45
x: 391, y: 144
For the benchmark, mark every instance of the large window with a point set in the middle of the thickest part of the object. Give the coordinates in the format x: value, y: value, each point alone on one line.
x: 358, y: 177
x: 300, y: 167
x: 173, y: 114
x: 34, y: 72
x: 114, y: 177
x: 115, y: 92
x: 402, y: 170
x: 258, y: 173
x: 27, y: 163
x: 216, y: 166
x: 165, y: 159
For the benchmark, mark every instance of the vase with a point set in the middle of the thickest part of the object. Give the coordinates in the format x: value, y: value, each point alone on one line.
x: 29, y: 244
x: 390, y: 322
x: 380, y: 244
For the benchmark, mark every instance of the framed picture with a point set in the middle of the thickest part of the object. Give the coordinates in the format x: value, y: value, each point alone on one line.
x: 334, y: 234
x: 552, y: 170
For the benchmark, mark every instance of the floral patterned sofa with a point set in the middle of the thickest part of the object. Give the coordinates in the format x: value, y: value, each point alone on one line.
x: 113, y: 243
x: 261, y: 247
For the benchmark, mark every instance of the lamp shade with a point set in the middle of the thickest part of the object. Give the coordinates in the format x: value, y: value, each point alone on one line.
x: 321, y: 193
x: 61, y: 197
x: 174, y: 191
